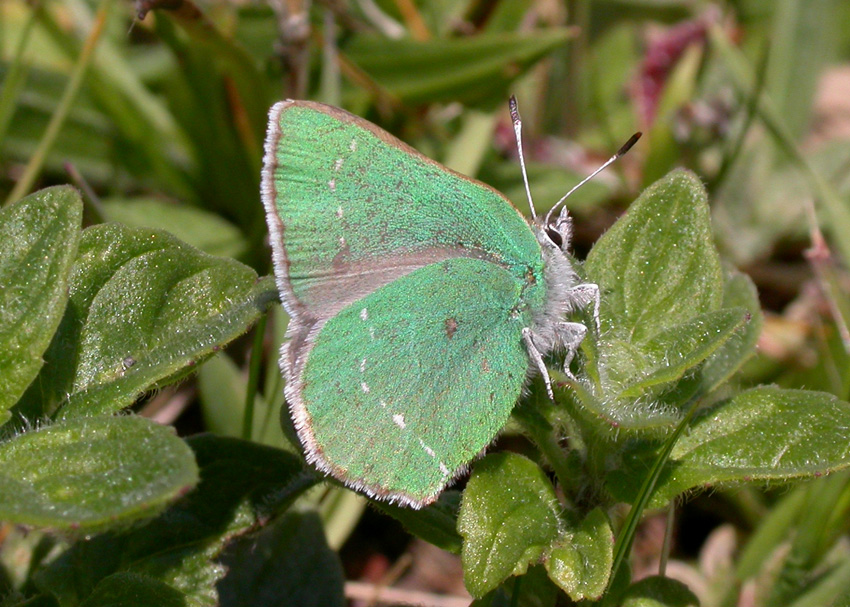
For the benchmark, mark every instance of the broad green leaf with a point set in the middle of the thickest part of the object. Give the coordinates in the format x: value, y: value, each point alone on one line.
x: 508, y: 517
x: 287, y: 563
x: 739, y: 291
x: 657, y: 266
x: 133, y: 590
x: 658, y: 591
x: 534, y: 589
x: 436, y: 524
x: 242, y: 485
x: 197, y: 227
x: 144, y: 308
x: 38, y: 242
x: 644, y: 386
x: 92, y: 474
x: 580, y: 562
x: 673, y: 352
x: 475, y: 70
x: 766, y: 433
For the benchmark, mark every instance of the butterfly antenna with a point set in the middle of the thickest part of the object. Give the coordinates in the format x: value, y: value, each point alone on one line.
x: 621, y: 152
x: 518, y: 133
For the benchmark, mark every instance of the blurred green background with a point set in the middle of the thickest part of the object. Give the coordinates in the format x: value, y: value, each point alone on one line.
x: 161, y: 119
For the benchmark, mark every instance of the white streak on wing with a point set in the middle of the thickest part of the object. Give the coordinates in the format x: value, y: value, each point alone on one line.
x: 398, y: 418
x: 427, y: 449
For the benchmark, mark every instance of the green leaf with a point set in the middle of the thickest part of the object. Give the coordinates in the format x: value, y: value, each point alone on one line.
x: 287, y: 563
x: 42, y: 600
x: 133, y: 590
x: 436, y: 524
x: 739, y: 291
x: 38, y: 242
x: 773, y: 530
x: 508, y: 518
x: 675, y: 351
x: 91, y: 474
x: 762, y: 434
x: 657, y: 266
x: 820, y: 525
x: 831, y: 588
x: 474, y: 70
x: 580, y: 562
x: 802, y: 44
x: 658, y: 591
x: 144, y: 308
x: 197, y: 227
x: 85, y: 139
x: 242, y: 484
x: 534, y: 589
x: 664, y: 144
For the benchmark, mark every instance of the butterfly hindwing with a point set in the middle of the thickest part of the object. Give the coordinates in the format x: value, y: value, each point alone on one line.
x: 403, y: 388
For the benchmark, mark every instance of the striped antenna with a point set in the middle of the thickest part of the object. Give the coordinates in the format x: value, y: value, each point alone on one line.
x: 518, y: 133
x: 621, y: 152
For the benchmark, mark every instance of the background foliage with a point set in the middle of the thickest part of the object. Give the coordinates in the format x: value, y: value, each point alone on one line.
x: 124, y: 298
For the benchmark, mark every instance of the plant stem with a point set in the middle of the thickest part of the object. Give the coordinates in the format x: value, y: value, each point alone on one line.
x: 253, y: 378
x: 38, y: 158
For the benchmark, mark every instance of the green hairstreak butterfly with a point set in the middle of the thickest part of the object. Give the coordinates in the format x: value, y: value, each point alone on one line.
x: 419, y: 300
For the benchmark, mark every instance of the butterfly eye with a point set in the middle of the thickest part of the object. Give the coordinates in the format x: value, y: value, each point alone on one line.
x: 555, y: 236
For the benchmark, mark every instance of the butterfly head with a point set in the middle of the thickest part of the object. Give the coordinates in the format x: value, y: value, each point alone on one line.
x: 555, y: 232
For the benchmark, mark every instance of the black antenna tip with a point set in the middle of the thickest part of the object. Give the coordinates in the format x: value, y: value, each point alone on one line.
x: 628, y: 145
x: 513, y: 107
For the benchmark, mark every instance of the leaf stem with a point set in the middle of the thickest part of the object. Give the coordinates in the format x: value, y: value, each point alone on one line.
x: 627, y: 534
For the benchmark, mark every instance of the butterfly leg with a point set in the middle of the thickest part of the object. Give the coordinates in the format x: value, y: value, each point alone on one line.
x: 571, y: 334
x: 582, y: 295
x: 537, y: 359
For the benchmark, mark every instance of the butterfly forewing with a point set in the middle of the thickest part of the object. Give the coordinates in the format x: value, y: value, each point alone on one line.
x: 352, y: 201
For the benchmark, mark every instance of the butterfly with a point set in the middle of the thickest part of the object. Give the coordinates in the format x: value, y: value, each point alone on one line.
x: 420, y: 301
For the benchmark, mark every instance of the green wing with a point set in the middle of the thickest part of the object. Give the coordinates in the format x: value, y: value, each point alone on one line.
x: 350, y: 208
x: 360, y: 221
x: 405, y: 387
